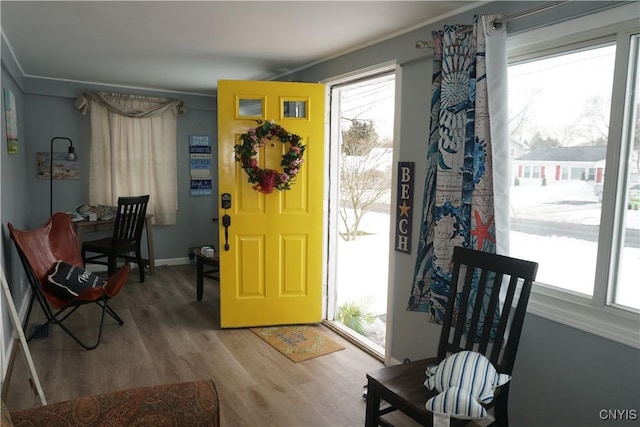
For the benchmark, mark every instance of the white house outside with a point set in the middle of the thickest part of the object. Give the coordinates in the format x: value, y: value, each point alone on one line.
x: 552, y: 165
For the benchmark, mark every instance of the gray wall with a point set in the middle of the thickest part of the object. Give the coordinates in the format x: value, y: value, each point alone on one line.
x: 49, y: 111
x: 46, y: 109
x: 14, y: 203
x: 563, y: 376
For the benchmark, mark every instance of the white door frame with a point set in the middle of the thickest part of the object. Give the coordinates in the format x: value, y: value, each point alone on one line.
x: 331, y: 196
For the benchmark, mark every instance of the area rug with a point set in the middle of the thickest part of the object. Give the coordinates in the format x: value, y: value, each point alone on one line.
x: 298, y: 343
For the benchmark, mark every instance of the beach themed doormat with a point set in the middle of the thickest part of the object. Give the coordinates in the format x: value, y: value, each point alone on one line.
x: 298, y: 343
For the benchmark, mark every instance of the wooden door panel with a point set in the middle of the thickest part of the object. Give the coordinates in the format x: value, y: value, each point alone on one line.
x: 251, y: 280
x: 272, y: 273
x: 294, y: 280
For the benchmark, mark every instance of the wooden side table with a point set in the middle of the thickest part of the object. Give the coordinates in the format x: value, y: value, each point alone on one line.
x: 211, y: 273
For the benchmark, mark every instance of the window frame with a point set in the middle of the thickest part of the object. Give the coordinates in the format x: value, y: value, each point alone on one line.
x: 594, y: 314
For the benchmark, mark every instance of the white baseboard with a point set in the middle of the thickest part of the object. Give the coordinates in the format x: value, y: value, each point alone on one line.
x: 173, y: 261
x: 97, y: 268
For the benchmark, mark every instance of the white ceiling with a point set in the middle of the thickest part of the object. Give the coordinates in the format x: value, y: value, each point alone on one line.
x: 186, y: 46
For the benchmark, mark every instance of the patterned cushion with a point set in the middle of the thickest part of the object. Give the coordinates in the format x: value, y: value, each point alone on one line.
x: 5, y: 417
x: 68, y: 280
x: 467, y: 379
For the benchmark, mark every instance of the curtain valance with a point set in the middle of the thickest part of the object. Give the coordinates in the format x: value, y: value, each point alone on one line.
x: 114, y: 103
x: 133, y: 150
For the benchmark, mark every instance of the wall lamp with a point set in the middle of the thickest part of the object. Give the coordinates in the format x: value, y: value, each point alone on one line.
x: 71, y: 156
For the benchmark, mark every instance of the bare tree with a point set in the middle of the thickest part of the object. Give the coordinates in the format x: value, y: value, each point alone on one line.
x: 592, y: 126
x: 364, y: 174
x: 521, y: 115
x: 538, y: 141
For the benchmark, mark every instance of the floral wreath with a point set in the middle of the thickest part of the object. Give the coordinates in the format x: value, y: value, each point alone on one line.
x: 266, y: 179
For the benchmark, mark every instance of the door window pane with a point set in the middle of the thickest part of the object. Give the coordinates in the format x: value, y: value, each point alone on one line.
x: 559, y: 112
x: 295, y: 109
x: 250, y: 107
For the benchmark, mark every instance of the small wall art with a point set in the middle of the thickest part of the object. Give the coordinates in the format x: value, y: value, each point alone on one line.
x: 62, y: 168
x: 11, y: 119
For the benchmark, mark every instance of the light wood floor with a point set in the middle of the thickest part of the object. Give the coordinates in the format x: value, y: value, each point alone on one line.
x: 168, y: 336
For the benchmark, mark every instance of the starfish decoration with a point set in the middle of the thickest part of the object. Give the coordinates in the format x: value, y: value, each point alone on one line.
x: 482, y: 230
x: 404, y: 209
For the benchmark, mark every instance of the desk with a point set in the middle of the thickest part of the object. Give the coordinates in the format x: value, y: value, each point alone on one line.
x: 86, y: 226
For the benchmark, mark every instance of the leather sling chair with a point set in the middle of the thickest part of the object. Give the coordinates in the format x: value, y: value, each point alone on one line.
x: 40, y: 250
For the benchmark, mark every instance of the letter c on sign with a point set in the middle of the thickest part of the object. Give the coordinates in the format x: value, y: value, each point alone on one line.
x: 402, y: 225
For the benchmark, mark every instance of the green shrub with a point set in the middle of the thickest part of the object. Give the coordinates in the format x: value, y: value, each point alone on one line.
x: 353, y: 316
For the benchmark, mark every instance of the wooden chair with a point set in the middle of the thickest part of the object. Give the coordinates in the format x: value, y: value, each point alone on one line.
x: 127, y: 234
x: 39, y: 250
x: 402, y: 386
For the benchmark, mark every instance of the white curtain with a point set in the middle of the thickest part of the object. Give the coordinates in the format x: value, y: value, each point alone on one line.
x: 133, y: 150
x: 497, y: 89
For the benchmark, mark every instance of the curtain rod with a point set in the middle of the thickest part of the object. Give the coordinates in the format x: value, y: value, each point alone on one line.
x: 499, y: 22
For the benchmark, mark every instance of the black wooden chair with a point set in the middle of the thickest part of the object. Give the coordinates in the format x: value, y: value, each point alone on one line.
x: 493, y: 331
x: 39, y: 250
x: 125, y: 241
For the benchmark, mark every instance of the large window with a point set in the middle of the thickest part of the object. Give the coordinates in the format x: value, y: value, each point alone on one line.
x: 575, y: 191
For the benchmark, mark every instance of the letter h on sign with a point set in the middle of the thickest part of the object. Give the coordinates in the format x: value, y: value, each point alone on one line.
x: 404, y: 203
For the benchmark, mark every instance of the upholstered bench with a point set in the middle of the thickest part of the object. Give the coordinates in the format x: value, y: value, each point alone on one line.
x: 189, y: 404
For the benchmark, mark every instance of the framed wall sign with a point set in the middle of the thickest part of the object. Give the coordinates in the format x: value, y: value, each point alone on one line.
x: 11, y: 121
x: 200, y: 157
x: 404, y: 204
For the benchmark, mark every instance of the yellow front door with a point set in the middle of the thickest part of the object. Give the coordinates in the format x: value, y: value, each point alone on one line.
x: 271, y: 251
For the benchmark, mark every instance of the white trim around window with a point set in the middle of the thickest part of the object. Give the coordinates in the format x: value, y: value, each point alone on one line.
x: 586, y: 313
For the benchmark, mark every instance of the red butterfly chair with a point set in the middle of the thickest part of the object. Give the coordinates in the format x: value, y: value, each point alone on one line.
x: 39, y: 250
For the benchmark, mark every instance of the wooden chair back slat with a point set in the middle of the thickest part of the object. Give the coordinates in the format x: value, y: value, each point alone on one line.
x: 489, y: 321
x: 477, y: 308
x: 490, y: 312
x: 130, y: 218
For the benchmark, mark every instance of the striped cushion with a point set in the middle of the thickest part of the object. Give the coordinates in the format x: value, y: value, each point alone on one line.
x: 473, y: 379
x: 457, y: 402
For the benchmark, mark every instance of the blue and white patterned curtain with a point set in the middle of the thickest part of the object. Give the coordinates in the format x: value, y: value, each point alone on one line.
x: 458, y: 205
